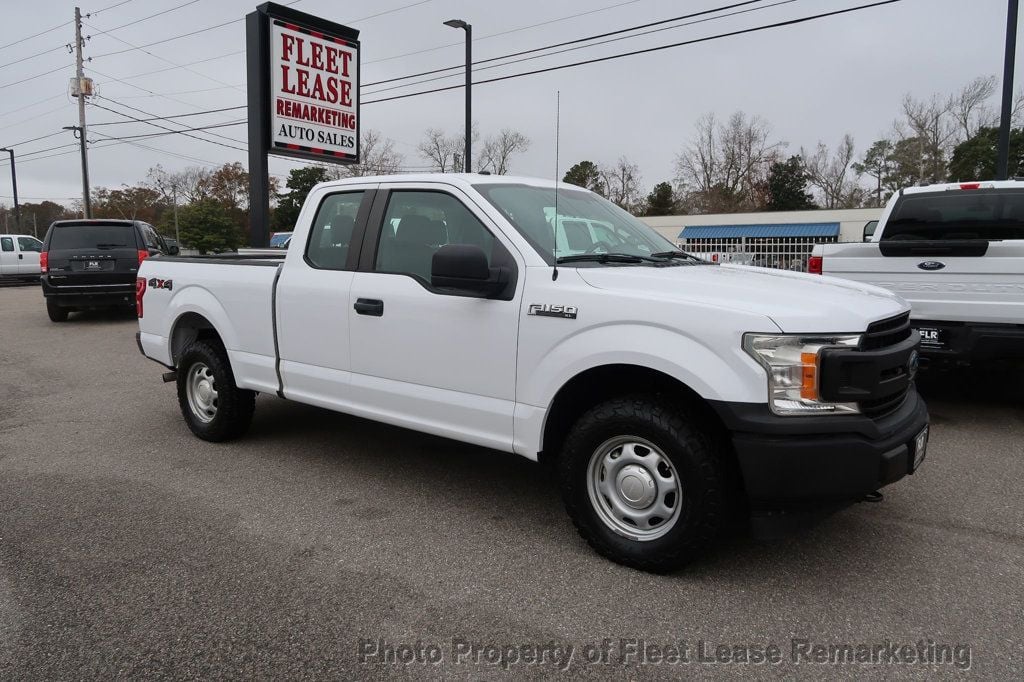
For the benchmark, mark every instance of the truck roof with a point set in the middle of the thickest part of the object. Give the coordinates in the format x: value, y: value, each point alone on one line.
x: 457, y: 179
x: 1013, y: 183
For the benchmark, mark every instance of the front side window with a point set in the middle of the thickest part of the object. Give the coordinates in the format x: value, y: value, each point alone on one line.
x: 585, y: 223
x: 330, y: 238
x: 418, y: 223
x: 7, y: 244
x: 30, y: 244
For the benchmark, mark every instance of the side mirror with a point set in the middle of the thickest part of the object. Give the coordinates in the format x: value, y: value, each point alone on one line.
x: 173, y: 250
x: 869, y: 229
x: 463, y: 269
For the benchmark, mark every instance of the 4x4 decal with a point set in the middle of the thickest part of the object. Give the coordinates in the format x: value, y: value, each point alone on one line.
x: 155, y: 283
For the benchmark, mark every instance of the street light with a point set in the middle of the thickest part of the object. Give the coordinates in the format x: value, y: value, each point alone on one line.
x: 459, y: 23
x: 14, y: 185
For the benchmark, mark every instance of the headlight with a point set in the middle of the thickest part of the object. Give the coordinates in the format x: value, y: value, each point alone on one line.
x: 792, y: 363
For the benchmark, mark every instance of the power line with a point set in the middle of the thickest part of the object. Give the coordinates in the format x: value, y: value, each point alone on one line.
x: 151, y: 16
x: 28, y: 106
x: 41, y: 137
x: 30, y: 78
x: 35, y: 35
x: 163, y: 118
x: 594, y: 44
x: 175, y: 65
x: 780, y: 24
x: 32, y: 56
x: 183, y: 131
x: 502, y: 33
x: 146, y: 113
x: 570, y: 42
x: 116, y: 4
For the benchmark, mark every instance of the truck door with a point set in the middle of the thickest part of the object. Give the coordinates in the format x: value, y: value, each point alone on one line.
x: 423, y: 358
x: 8, y: 257
x: 312, y: 299
x: 28, y: 255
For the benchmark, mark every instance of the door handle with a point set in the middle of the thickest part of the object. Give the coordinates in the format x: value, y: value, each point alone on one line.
x: 369, y: 306
x: 20, y: 256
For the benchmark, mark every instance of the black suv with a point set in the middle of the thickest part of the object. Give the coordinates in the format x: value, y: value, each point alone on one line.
x: 93, y: 263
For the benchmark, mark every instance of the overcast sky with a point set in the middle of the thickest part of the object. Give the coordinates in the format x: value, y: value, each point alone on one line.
x: 813, y: 81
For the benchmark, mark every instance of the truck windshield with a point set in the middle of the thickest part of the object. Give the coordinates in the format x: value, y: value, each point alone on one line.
x: 991, y: 214
x: 92, y: 237
x: 585, y: 224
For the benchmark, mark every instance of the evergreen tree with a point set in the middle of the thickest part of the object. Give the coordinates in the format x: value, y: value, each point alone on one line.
x: 787, y: 187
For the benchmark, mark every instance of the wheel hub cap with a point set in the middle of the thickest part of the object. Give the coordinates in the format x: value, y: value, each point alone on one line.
x: 201, y: 390
x: 636, y: 486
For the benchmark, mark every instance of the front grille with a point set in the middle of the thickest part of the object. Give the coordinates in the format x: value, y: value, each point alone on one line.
x: 879, y: 335
x: 887, y: 332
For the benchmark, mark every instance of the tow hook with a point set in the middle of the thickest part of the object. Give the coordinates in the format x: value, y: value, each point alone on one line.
x: 873, y: 497
x: 168, y: 377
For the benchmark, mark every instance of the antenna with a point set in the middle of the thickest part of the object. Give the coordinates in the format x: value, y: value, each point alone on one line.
x: 554, y: 222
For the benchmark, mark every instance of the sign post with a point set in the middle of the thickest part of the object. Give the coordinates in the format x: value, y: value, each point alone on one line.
x: 303, y: 97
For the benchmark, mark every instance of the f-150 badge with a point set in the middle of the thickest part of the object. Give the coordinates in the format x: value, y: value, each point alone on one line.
x: 548, y: 310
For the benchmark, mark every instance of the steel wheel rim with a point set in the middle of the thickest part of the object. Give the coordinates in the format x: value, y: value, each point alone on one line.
x: 634, y: 488
x: 201, y: 390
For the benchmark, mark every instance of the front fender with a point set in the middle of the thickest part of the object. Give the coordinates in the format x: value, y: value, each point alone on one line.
x: 715, y: 374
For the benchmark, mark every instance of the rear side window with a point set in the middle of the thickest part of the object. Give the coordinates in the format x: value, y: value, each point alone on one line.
x: 6, y: 244
x: 330, y: 238
x: 30, y: 244
x: 92, y: 237
x: 957, y: 214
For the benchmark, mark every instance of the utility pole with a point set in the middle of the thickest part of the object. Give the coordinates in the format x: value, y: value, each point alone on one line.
x: 177, y: 237
x: 468, y: 28
x: 35, y: 232
x: 80, y: 75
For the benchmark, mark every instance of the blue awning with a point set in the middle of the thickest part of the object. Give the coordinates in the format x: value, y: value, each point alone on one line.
x: 777, y: 230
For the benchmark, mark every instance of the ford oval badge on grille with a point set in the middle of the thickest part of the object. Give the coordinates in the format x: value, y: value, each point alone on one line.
x: 931, y: 265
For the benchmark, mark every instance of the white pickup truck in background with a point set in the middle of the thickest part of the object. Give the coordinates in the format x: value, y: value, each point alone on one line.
x: 19, y: 257
x: 956, y: 253
x: 664, y: 391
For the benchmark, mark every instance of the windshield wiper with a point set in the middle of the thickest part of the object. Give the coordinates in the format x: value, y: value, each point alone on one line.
x: 677, y: 254
x: 606, y: 258
x: 105, y: 245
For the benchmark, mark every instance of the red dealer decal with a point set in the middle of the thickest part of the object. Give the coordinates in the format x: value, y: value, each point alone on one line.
x: 314, y: 92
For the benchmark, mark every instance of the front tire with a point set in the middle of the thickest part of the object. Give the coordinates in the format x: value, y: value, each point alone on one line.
x: 213, y: 406
x: 55, y: 311
x: 644, y: 485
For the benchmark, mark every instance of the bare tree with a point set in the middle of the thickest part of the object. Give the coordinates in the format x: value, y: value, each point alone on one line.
x: 970, y: 108
x: 377, y: 157
x: 191, y: 184
x: 622, y: 183
x: 828, y: 172
x: 498, y: 150
x: 439, y: 149
x: 725, y: 162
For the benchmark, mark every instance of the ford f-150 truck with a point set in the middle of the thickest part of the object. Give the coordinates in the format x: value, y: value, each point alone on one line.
x: 956, y: 253
x: 664, y: 391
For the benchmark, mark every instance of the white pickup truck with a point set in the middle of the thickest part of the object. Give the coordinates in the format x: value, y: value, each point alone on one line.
x: 665, y: 391
x: 19, y: 257
x: 956, y: 253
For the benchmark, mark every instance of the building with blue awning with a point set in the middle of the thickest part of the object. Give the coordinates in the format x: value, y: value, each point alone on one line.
x: 803, y: 230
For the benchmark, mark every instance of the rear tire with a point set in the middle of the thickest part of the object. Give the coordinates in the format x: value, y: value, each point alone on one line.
x: 644, y: 485
x: 56, y: 312
x: 214, y: 408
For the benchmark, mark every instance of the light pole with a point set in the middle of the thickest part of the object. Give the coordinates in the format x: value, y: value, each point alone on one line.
x: 14, y: 185
x: 468, y: 28
x: 1003, y: 155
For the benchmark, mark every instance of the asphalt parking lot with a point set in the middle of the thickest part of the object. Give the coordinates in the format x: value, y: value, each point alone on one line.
x: 129, y: 548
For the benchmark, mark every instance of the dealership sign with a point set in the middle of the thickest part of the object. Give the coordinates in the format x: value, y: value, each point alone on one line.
x: 307, y: 73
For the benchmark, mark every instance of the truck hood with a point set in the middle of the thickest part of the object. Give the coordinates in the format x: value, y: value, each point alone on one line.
x: 794, y: 301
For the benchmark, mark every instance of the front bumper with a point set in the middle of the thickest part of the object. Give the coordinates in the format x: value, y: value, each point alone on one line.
x: 803, y: 462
